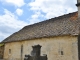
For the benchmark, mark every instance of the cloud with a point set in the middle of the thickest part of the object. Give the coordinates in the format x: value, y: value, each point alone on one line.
x: 3, y: 35
x: 19, y: 12
x: 53, y: 8
x: 9, y: 19
x: 9, y: 23
x: 18, y: 3
x: 36, y: 17
x: 43, y: 9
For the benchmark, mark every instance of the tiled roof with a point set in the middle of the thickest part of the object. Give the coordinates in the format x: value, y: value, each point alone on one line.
x: 63, y: 25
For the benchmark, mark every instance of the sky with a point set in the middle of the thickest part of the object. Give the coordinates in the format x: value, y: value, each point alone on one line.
x: 15, y: 14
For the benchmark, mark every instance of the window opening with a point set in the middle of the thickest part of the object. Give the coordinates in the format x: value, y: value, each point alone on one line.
x: 21, y: 51
x: 9, y: 51
x: 61, y: 52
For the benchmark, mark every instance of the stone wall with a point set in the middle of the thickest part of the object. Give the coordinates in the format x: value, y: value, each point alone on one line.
x: 1, y: 51
x: 56, y: 48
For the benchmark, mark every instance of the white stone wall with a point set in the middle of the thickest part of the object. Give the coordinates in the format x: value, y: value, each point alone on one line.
x: 50, y: 46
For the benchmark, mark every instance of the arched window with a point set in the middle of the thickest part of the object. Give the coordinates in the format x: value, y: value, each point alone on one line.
x: 9, y: 51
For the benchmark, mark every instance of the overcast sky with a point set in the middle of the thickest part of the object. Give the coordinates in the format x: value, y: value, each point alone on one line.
x: 15, y: 14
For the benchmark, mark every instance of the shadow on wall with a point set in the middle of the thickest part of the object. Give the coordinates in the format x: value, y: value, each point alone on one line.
x: 1, y: 51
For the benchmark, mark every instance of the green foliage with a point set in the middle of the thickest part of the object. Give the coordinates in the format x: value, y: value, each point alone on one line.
x: 1, y: 44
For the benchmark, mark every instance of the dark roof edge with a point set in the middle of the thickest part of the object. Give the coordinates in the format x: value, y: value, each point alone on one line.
x: 37, y: 38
